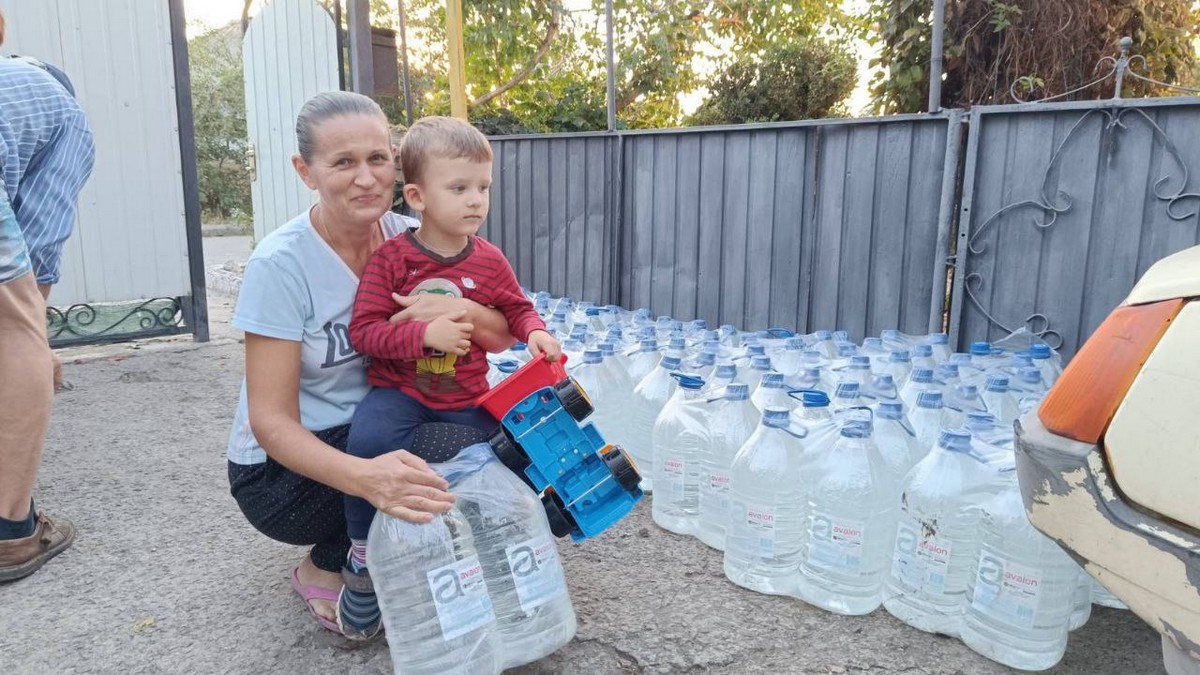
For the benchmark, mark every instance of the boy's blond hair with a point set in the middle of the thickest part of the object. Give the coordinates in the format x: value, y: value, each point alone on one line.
x: 444, y: 137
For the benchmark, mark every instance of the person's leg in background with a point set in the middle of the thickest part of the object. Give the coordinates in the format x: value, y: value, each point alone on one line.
x: 27, y: 538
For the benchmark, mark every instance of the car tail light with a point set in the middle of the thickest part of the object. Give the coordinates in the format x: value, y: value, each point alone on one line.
x: 1085, y: 398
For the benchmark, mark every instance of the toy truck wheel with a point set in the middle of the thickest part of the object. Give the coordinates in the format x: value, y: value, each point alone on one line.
x: 508, y: 452
x: 561, y: 522
x: 573, y: 399
x: 622, y: 468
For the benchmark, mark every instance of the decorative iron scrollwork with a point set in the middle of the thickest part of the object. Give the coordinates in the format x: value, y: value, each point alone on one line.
x: 84, y: 322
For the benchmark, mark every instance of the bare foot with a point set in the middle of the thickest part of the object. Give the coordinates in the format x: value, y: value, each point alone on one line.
x: 311, y: 575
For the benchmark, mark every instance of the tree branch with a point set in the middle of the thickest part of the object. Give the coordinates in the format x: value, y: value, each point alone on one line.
x: 246, y: 16
x: 543, y: 48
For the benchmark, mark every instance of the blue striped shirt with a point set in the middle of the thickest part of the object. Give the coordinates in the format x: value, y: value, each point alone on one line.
x: 46, y: 155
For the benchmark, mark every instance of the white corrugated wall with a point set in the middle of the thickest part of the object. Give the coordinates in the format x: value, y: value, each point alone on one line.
x: 290, y: 54
x: 131, y: 237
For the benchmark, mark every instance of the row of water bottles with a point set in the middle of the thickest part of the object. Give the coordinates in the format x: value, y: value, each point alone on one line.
x: 847, y: 475
x: 476, y: 590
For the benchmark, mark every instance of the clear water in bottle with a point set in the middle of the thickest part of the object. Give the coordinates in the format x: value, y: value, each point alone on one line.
x: 937, y: 537
x: 999, y: 400
x: 897, y: 441
x: 432, y: 595
x: 1082, y: 602
x: 643, y: 360
x: 649, y: 398
x: 681, y: 438
x: 771, y: 393
x: 733, y: 421
x: 851, y: 524
x: 1020, y: 599
x: 521, y: 566
x: 763, y: 543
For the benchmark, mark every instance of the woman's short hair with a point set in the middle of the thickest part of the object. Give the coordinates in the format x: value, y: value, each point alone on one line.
x: 325, y: 106
x: 444, y: 137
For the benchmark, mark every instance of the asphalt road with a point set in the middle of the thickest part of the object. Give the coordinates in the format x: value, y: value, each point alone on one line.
x: 166, y: 576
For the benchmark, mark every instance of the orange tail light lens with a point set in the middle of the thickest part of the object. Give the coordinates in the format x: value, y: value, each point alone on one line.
x: 1085, y: 398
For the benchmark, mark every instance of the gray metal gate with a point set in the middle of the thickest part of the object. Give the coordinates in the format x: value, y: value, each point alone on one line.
x: 1064, y: 206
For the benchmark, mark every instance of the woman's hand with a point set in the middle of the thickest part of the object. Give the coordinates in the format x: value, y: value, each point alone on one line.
x: 426, y: 307
x: 403, y: 486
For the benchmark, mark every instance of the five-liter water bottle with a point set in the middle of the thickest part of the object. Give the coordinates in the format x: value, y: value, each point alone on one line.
x: 999, y: 400
x: 724, y: 375
x: 897, y: 441
x: 643, y: 360
x: 1047, y: 362
x: 1019, y: 601
x: 1081, y: 609
x: 608, y: 388
x: 765, y: 534
x: 928, y: 418
x: 649, y: 397
x: 733, y: 421
x: 771, y: 393
x: 681, y: 437
x: 435, y: 604
x: 851, y: 524
x: 521, y: 567
x: 937, y: 536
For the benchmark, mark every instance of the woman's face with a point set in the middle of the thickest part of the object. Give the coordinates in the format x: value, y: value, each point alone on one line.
x: 351, y: 168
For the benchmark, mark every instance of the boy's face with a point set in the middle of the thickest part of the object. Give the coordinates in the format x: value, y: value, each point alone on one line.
x: 452, y: 195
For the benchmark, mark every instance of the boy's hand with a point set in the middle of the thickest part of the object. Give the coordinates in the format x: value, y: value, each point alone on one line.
x: 449, y: 334
x: 424, y: 307
x: 541, y: 342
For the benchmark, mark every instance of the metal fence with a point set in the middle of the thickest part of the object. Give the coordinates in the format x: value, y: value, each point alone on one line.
x: 1064, y: 206
x: 831, y: 223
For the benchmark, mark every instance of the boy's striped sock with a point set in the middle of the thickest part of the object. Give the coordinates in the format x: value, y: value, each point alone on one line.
x: 357, y: 605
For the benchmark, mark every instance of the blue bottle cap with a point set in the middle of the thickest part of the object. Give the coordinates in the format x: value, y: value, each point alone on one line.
x: 891, y: 410
x: 756, y: 349
x: 922, y: 351
x: 845, y: 349
x: 793, y: 344
x: 690, y: 382
x: 775, y: 417
x: 938, y: 339
x: 841, y: 336
x: 858, y: 361
x: 846, y: 390
x: 508, y: 366
x: 726, y: 371
x: 737, y: 391
x: 814, y: 399
x: 1039, y: 351
x: 929, y: 399
x: 593, y: 356
x: 967, y: 391
x: 779, y: 333
x: 822, y: 335
x: 981, y: 349
x: 977, y: 420
x: 592, y: 311
x: 900, y: 356
x: 670, y: 362
x: 957, y: 440
x: 1030, y: 375
x: 997, y: 383
x: 706, y: 358
x: 857, y: 429
x: 922, y: 375
x: 677, y: 343
x: 884, y: 382
x: 518, y: 347
x: 698, y: 324
x: 772, y: 380
x: 648, y: 345
x: 873, y: 344
x: 761, y: 362
x: 948, y: 370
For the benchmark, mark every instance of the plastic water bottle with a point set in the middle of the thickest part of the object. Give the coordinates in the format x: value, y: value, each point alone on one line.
x: 822, y: 341
x: 681, y: 438
x: 1030, y: 381
x: 760, y: 364
x: 897, y: 441
x: 771, y: 393
x: 898, y: 365
x: 763, y: 545
x: 643, y: 360
x: 928, y: 418
x: 649, y: 398
x: 1081, y: 609
x: 851, y: 524
x: 857, y: 369
x: 499, y: 371
x: 724, y: 374
x: 920, y: 380
x: 606, y: 388
x: 521, y: 567
x: 939, y: 343
x: 1019, y: 601
x: 961, y: 400
x: 1103, y: 597
x: 922, y: 357
x: 817, y: 429
x: 733, y: 421
x: 845, y: 397
x: 790, y: 359
x: 1045, y: 360
x: 999, y: 402
x: 807, y: 378
x: 703, y: 365
x: 937, y: 537
x: 432, y: 595
x: 881, y: 388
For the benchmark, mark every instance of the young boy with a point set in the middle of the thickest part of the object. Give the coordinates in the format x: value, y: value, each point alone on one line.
x: 428, y: 371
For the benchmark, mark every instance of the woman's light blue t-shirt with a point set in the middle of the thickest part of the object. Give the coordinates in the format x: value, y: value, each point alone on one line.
x: 297, y: 288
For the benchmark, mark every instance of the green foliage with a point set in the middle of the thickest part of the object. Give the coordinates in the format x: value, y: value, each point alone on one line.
x: 1036, y: 47
x: 803, y: 79
x: 219, y: 105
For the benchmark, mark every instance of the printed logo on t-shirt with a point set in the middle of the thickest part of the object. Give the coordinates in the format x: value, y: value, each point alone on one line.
x: 338, y: 350
x: 436, y: 373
